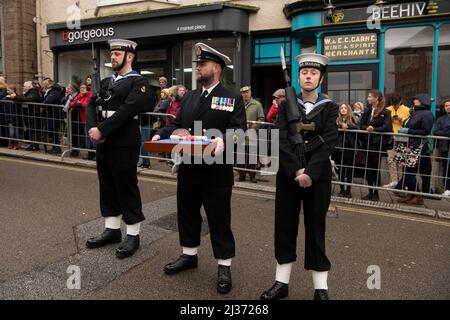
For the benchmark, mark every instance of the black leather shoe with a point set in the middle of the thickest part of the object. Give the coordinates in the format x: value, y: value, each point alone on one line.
x: 241, y: 178
x: 278, y: 291
x: 375, y: 197
x: 128, y: 247
x: 321, y: 294
x: 224, y: 279
x: 108, y: 236
x: 184, y: 262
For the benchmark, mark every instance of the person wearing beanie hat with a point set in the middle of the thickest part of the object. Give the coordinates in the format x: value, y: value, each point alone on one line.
x: 304, y: 180
x: 116, y: 134
x: 207, y: 185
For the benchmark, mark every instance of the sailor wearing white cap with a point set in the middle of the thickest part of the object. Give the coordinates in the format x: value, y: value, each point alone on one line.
x: 206, y: 185
x: 116, y: 134
x: 305, y: 182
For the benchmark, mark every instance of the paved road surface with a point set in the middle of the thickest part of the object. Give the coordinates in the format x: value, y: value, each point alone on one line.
x: 47, y: 212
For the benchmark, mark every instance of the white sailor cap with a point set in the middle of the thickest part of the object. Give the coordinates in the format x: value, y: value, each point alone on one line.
x: 204, y: 52
x: 122, y: 45
x: 312, y: 60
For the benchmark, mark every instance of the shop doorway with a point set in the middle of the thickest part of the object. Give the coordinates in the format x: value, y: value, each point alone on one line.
x: 350, y: 83
x: 266, y: 80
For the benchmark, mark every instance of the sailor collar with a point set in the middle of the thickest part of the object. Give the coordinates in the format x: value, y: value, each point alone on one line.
x: 133, y: 73
x: 321, y: 99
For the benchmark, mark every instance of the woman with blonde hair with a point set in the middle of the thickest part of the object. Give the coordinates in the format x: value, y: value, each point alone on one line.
x: 358, y: 110
x: 344, y: 153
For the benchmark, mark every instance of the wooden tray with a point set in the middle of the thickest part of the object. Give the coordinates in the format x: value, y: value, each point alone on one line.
x: 166, y: 145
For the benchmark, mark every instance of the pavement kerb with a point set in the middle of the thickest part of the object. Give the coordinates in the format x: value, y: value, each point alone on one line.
x: 238, y: 185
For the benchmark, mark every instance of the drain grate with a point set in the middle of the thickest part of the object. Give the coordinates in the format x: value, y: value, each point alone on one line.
x: 170, y: 222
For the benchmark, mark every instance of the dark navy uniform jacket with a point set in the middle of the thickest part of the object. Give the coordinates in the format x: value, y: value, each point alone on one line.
x: 194, y: 108
x: 130, y: 96
x: 318, y: 166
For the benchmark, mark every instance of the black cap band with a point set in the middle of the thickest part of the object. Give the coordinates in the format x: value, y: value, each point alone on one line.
x: 122, y: 48
x: 314, y: 65
x: 208, y: 56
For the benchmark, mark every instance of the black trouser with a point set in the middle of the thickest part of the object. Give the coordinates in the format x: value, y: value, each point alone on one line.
x: 119, y: 192
x: 216, y: 201
x: 248, y: 165
x: 424, y: 169
x: 288, y: 202
x: 373, y: 174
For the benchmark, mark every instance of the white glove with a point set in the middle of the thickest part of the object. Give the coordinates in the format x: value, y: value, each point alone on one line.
x: 219, y: 146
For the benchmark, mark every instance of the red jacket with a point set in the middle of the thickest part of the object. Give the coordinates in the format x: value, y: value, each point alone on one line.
x: 173, y: 109
x: 272, y: 114
x: 84, y: 102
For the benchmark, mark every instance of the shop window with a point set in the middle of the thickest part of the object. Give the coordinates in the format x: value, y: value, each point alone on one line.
x: 443, y: 80
x: 349, y: 86
x: 105, y: 67
x: 267, y: 50
x: 409, y: 60
x: 74, y: 66
x: 225, y: 45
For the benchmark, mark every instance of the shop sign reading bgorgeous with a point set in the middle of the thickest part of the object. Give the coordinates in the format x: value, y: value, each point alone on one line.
x: 87, y: 35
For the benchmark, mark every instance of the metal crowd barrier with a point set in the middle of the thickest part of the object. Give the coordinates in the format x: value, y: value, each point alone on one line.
x: 356, y: 160
x: 32, y: 123
x: 363, y: 157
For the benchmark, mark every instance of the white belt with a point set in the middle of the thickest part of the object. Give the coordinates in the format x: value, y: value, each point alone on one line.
x: 107, y: 114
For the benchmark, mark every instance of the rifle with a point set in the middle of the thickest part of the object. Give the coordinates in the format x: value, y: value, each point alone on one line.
x: 293, y: 116
x: 96, y: 74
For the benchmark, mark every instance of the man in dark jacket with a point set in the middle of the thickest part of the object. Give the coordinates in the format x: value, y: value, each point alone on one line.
x: 53, y: 97
x: 207, y: 185
x: 420, y: 123
x: 304, y: 180
x: 30, y: 112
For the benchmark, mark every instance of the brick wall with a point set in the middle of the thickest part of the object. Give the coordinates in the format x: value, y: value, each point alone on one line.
x: 19, y: 40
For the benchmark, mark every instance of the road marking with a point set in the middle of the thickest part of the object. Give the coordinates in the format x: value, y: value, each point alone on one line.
x: 240, y: 192
x: 392, y: 215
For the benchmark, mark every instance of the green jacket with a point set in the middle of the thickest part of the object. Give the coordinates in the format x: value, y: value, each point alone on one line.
x: 254, y: 112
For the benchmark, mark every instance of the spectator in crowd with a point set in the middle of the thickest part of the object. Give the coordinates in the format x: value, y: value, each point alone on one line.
x: 254, y: 112
x: 3, y: 111
x: 3, y: 88
x: 175, y: 104
x: 29, y: 111
x: 163, y: 82
x: 71, y: 92
x: 443, y: 129
x: 79, y: 105
x: 162, y: 107
x: 12, y: 118
x: 376, y: 118
x: 88, y: 82
x: 420, y: 123
x: 279, y: 97
x: 344, y: 153
x: 147, y: 132
x: 52, y: 96
x: 358, y: 110
x: 399, y: 114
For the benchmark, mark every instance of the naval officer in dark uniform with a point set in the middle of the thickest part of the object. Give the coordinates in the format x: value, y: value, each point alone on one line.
x: 112, y: 120
x: 304, y: 180
x: 201, y: 184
